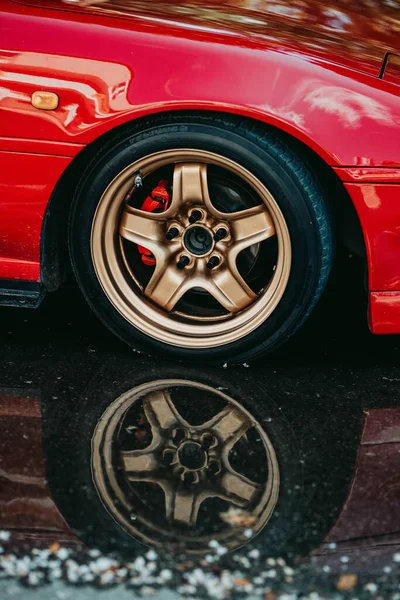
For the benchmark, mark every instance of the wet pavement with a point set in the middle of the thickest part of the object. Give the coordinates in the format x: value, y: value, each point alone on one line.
x: 277, y: 479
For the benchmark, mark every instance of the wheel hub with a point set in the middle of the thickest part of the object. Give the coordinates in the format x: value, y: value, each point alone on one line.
x: 198, y: 240
x: 192, y: 456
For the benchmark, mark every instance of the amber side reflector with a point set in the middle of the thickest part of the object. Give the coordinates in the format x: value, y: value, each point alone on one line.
x: 45, y: 100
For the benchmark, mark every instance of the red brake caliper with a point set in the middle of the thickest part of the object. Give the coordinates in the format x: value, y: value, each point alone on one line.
x: 158, y: 201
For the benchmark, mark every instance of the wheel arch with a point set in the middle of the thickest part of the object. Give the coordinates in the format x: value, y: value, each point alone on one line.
x: 55, y: 264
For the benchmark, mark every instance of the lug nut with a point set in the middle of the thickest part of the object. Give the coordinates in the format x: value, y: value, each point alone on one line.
x: 195, y: 216
x: 220, y: 234
x: 172, y: 233
x: 182, y: 262
x: 213, y: 262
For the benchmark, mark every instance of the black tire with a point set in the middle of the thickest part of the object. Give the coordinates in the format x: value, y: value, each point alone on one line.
x: 291, y: 183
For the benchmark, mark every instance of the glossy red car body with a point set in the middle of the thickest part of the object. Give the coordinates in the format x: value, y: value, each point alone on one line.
x: 324, y: 74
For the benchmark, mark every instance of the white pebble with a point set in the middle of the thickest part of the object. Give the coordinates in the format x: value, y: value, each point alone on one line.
x: 102, y: 564
x: 344, y: 559
x: 271, y: 574
x: 151, y: 555
x: 35, y: 577
x: 248, y: 533
x: 387, y: 569
x: 62, y: 553
x: 122, y: 572
x: 165, y: 575
x: 371, y: 587
x: 55, y: 573
x: 107, y: 577
x: 5, y: 536
x: 396, y: 557
x: 147, y: 591
x: 139, y: 563
x: 210, y: 558
x: 255, y: 553
x: 21, y: 569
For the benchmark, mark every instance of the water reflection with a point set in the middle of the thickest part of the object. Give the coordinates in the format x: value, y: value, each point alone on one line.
x: 174, y: 476
x: 176, y: 462
x: 361, y: 29
x: 349, y: 106
x: 178, y: 459
x: 236, y: 470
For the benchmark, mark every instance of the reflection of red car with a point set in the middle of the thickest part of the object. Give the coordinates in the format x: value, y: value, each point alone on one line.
x: 368, y: 527
x: 26, y: 507
x: 206, y: 156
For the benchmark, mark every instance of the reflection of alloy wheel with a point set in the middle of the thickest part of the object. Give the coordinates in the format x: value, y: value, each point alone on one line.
x: 169, y: 482
x: 237, y: 252
x: 87, y: 437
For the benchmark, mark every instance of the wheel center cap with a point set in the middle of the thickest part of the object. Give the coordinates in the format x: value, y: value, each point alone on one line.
x: 198, y: 240
x: 191, y: 456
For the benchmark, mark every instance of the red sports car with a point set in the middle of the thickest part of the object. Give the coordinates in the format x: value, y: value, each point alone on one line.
x: 196, y: 163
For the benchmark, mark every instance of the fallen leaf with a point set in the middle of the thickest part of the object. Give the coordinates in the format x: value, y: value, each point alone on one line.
x: 237, y: 517
x: 346, y: 582
x: 184, y: 566
x: 241, y: 582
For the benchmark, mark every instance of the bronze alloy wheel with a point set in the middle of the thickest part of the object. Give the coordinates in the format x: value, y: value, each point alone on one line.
x: 221, y: 249
x: 156, y: 472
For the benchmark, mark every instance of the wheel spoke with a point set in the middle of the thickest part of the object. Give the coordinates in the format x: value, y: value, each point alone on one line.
x: 139, y: 464
x: 228, y: 425
x: 189, y: 186
x: 142, y: 228
x: 237, y: 488
x: 229, y: 288
x: 250, y: 227
x: 182, y: 506
x: 167, y: 286
x: 161, y: 412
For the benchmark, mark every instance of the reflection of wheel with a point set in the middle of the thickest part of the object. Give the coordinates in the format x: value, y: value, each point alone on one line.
x: 172, y: 463
x: 155, y: 471
x: 200, y: 238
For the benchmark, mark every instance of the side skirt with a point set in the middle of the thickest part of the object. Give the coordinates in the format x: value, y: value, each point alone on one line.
x: 24, y: 294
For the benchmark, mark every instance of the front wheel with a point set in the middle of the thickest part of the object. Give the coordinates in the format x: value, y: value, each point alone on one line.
x: 200, y: 238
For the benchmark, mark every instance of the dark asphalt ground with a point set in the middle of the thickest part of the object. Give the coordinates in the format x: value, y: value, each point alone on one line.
x: 312, y: 396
